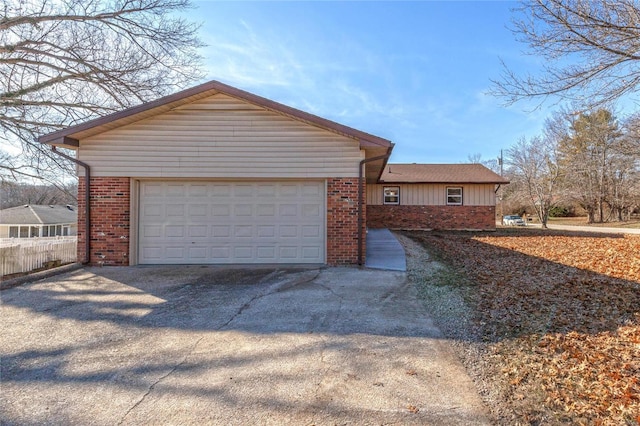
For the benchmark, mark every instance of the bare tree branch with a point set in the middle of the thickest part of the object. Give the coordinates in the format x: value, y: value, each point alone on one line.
x: 590, y: 48
x: 66, y: 62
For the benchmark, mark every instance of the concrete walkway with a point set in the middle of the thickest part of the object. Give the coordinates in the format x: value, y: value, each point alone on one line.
x: 384, y: 251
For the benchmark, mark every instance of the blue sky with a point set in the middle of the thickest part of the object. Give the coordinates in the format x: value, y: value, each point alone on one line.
x: 416, y: 73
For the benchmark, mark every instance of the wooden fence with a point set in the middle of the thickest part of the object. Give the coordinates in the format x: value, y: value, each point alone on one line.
x: 19, y: 255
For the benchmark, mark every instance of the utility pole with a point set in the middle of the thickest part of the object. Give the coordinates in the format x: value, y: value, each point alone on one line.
x: 501, y: 163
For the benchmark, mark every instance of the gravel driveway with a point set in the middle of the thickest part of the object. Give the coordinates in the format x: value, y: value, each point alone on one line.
x: 207, y: 345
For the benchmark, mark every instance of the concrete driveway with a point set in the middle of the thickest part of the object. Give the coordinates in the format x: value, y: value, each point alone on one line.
x: 207, y: 345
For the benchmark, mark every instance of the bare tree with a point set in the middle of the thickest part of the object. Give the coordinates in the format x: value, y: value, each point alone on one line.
x: 588, y: 150
x: 63, y: 62
x: 535, y: 173
x: 492, y: 164
x: 15, y: 194
x: 590, y: 50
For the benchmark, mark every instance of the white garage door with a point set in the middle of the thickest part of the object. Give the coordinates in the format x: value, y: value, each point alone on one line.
x: 231, y: 222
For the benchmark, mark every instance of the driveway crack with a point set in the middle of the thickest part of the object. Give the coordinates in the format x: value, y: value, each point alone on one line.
x: 159, y: 380
x: 274, y: 288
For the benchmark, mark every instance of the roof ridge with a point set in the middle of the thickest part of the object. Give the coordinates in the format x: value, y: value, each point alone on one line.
x: 35, y: 213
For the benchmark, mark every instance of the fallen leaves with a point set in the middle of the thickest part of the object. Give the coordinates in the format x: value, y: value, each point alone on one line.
x: 561, y: 315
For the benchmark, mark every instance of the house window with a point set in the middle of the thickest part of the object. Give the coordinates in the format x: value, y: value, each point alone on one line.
x: 13, y: 232
x: 454, y: 196
x: 392, y: 195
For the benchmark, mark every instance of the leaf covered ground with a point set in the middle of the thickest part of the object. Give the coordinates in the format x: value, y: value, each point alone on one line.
x: 558, y: 316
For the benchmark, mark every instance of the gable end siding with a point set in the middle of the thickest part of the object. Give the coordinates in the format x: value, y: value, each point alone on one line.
x: 220, y: 137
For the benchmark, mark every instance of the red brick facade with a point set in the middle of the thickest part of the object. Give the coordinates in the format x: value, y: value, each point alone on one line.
x: 431, y: 217
x: 109, y: 220
x: 342, y: 221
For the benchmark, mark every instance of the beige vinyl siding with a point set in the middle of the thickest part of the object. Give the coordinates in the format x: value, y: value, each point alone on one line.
x: 221, y: 137
x: 419, y: 194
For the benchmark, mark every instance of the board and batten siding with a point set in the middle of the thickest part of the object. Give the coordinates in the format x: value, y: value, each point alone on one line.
x: 424, y: 194
x: 220, y: 137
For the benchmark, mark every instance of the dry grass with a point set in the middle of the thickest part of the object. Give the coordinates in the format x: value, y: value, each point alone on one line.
x: 558, y: 315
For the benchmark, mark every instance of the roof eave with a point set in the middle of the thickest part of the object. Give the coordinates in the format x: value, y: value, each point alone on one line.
x: 448, y: 182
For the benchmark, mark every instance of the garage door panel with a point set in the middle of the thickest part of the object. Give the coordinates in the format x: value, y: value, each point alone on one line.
x: 243, y: 253
x: 243, y: 190
x: 312, y: 190
x: 232, y: 222
x: 268, y: 210
x: 288, y: 210
x: 152, y: 210
x: 266, y: 231
x: 198, y: 190
x: 266, y: 190
x: 198, y: 253
x: 197, y: 211
x: 220, y: 210
x: 151, y: 231
x: 176, y: 190
x: 311, y: 231
x: 175, y: 252
x: 288, y: 231
x: 175, y: 210
x: 243, y: 231
x: 198, y: 231
x: 221, y: 254
x: 152, y: 253
x: 221, y: 231
x: 310, y: 252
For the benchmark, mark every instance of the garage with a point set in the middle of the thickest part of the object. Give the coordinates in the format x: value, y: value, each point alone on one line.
x: 216, y: 175
x: 243, y: 222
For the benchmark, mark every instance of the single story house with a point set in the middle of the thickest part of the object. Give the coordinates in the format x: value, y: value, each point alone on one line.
x: 434, y: 196
x: 30, y: 221
x: 214, y: 174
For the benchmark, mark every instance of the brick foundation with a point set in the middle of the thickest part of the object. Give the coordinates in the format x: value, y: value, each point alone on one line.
x: 109, y: 221
x: 342, y: 222
x: 431, y: 217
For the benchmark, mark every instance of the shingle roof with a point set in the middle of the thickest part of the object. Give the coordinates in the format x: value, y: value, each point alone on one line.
x: 439, y: 173
x: 38, y: 214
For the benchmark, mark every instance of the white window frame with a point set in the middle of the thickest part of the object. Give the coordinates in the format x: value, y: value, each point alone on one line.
x: 390, y: 196
x: 452, y: 197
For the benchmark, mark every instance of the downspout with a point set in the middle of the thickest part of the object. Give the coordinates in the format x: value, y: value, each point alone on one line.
x: 87, y: 204
x: 361, y: 198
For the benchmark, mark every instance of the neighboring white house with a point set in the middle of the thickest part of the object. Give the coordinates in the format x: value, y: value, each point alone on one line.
x: 30, y: 221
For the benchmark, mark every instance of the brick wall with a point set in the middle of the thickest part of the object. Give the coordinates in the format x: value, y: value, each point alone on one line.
x: 431, y: 217
x: 342, y: 221
x: 109, y: 220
